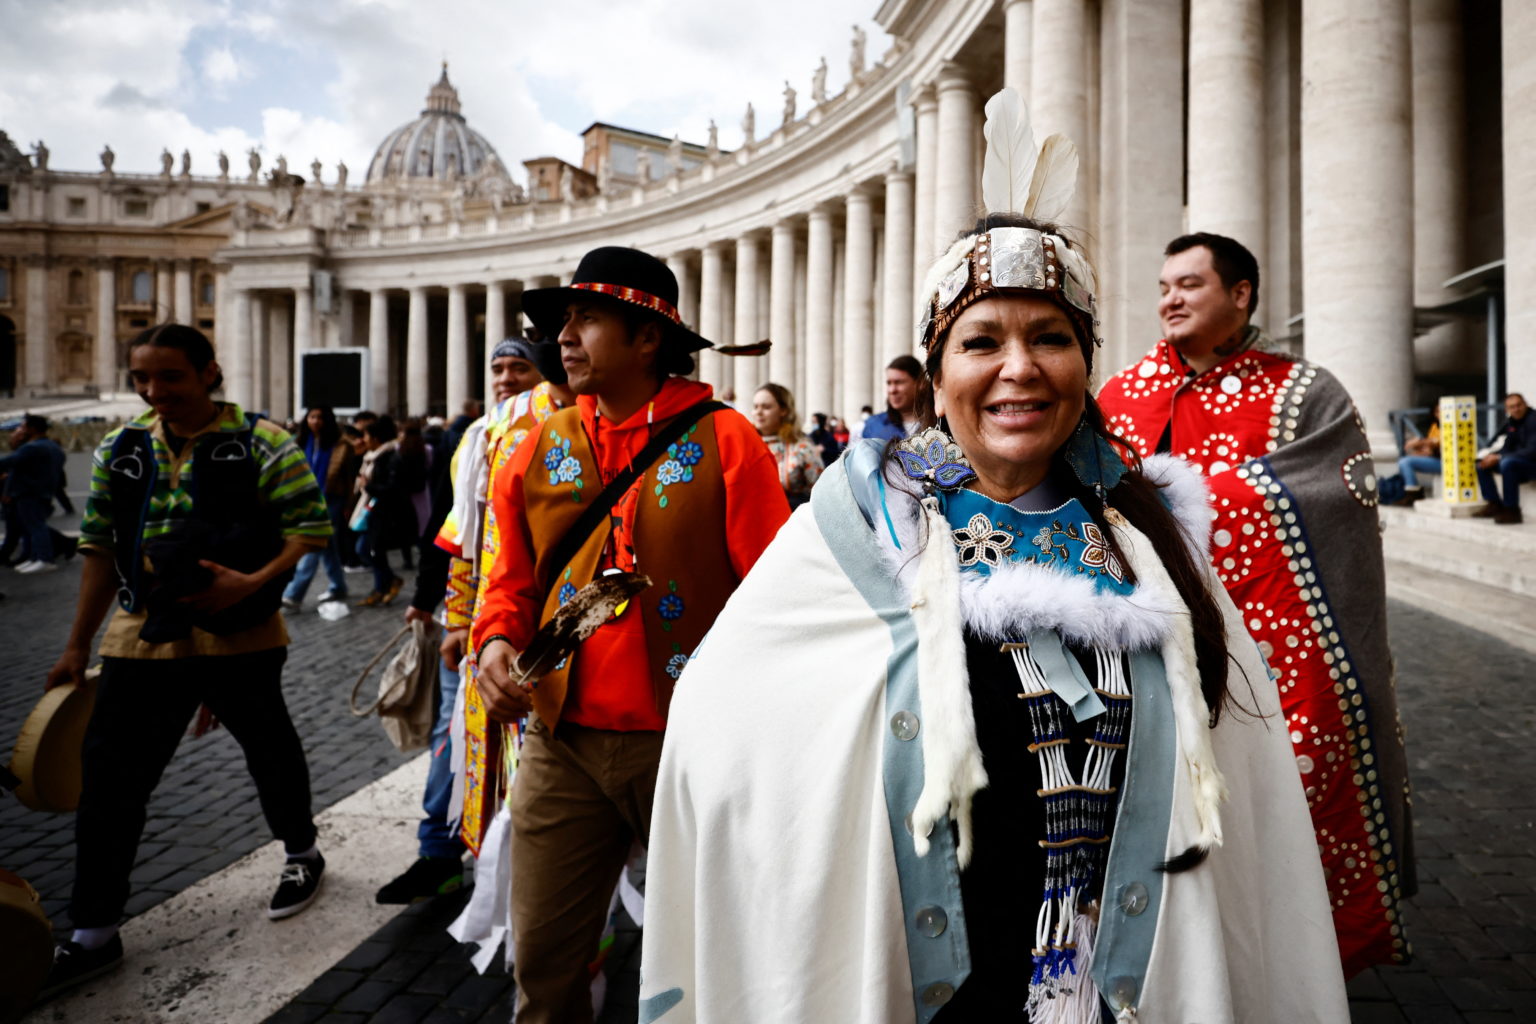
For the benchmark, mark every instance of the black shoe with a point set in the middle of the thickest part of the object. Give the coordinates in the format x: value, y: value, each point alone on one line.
x: 428, y: 877
x: 1507, y: 516
x: 73, y: 965
x: 297, y: 887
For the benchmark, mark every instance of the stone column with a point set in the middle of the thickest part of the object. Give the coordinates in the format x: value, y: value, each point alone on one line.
x: 1439, y: 177
x: 818, y: 313
x: 378, y: 350
x: 1018, y: 20
x: 858, y: 304
x: 303, y: 336
x: 747, y: 370
x: 1357, y: 215
x: 165, y: 303
x: 1058, y: 88
x: 712, y: 313
x: 687, y: 289
x: 38, y: 374
x: 237, y: 371
x: 457, y: 378
x: 897, y: 318
x: 1519, y: 38
x: 925, y: 246
x: 256, y: 389
x: 109, y: 374
x: 278, y: 387
x: 1141, y: 147
x: 183, y: 293
x: 346, y: 318
x: 781, y: 310
x: 418, y: 394
x: 1227, y: 165
x: 495, y: 332
x: 955, y: 206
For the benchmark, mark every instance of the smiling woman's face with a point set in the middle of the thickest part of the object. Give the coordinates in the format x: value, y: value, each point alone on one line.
x: 1012, y: 384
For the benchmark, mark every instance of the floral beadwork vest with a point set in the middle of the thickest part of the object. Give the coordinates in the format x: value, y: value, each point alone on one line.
x: 670, y: 526
x: 988, y: 533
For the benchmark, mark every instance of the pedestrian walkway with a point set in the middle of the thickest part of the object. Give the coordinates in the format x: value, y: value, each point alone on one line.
x: 1468, y: 708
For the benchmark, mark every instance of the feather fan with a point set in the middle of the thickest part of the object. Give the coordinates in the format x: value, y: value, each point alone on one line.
x: 576, y: 620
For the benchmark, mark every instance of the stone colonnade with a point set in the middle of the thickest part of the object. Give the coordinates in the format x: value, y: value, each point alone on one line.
x: 1328, y: 138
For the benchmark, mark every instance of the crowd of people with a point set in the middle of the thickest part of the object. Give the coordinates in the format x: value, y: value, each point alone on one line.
x: 1052, y: 705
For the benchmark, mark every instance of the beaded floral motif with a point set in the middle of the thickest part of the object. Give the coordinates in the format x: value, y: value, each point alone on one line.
x: 671, y: 606
x: 563, y: 467
x: 677, y: 468
x: 980, y: 541
x: 1096, y: 553
x: 676, y: 664
x: 933, y: 459
x: 567, y: 591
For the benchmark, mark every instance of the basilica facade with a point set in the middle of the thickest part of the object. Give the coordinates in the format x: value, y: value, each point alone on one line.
x: 1377, y: 156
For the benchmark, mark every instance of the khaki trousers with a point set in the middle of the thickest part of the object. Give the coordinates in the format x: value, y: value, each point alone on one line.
x: 578, y: 803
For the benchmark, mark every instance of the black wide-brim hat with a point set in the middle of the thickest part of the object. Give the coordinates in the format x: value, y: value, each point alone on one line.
x: 627, y: 275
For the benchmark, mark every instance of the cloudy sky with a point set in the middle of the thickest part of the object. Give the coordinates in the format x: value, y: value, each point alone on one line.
x: 331, y: 78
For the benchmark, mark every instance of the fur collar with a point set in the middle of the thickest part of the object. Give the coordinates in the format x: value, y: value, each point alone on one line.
x: 1020, y: 597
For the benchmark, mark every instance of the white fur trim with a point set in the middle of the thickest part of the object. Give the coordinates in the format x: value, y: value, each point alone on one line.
x: 952, y: 770
x: 1190, y: 715
x: 1189, y: 499
x: 952, y: 258
x: 1020, y: 597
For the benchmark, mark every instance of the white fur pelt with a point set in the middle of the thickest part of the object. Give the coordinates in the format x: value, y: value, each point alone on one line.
x: 1017, y: 598
x: 952, y: 770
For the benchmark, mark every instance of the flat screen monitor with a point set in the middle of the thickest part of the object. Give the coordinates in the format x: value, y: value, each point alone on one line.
x: 337, y: 377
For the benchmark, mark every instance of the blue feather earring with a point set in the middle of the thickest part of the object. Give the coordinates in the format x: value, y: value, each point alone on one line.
x: 1095, y: 461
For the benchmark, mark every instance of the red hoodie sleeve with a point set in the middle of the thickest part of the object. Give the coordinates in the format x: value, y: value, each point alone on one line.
x: 755, y: 505
x: 513, y: 598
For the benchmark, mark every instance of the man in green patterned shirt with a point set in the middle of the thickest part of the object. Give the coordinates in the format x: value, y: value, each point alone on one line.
x: 197, y: 515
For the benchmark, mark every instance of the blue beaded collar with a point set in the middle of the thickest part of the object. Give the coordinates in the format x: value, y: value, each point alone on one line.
x: 990, y: 534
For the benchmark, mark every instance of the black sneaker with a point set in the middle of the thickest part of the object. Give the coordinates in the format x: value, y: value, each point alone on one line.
x: 428, y: 877
x: 297, y: 887
x: 73, y: 965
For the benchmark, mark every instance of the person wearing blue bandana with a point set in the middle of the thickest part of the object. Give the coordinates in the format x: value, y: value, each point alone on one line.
x: 1009, y: 753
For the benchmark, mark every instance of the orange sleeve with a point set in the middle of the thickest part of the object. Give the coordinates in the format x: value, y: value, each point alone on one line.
x: 755, y: 505
x: 513, y: 598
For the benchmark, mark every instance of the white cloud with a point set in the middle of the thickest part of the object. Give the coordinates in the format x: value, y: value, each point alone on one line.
x: 83, y: 72
x: 221, y: 67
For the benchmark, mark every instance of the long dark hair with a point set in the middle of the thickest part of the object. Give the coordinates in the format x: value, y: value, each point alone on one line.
x: 330, y: 431
x: 1135, y: 497
x: 189, y: 341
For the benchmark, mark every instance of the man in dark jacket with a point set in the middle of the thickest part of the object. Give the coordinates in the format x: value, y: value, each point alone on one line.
x: 33, y: 471
x: 1515, y: 462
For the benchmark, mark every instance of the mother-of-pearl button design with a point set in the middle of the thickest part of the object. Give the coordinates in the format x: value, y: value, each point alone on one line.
x: 931, y: 922
x: 904, y: 725
x: 1133, y: 898
x: 939, y: 993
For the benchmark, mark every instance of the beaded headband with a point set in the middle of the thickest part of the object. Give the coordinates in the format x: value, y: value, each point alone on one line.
x: 1015, y: 259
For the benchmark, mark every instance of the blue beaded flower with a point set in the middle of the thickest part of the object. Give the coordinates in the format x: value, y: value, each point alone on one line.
x: 669, y: 472
x: 567, y: 591
x: 552, y: 458
x: 568, y: 470
x: 930, y: 457
x: 689, y: 453
x: 670, y: 607
x: 676, y: 664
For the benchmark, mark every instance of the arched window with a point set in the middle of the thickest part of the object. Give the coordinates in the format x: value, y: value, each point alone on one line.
x: 75, y: 294
x: 205, y: 294
x: 143, y: 286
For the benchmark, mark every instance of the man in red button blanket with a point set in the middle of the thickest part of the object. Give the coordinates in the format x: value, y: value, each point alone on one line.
x: 1296, y: 542
x: 700, y: 513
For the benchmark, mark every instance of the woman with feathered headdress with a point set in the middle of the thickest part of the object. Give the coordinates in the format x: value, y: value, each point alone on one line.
x: 1008, y: 754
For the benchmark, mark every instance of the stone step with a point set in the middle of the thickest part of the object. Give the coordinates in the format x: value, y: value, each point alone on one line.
x: 1498, y: 613
x: 1503, y: 569
x: 1484, y: 534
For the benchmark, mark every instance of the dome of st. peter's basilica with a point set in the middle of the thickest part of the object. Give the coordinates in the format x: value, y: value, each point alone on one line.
x: 438, y: 146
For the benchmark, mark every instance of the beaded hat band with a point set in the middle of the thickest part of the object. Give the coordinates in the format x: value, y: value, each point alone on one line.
x: 1008, y: 259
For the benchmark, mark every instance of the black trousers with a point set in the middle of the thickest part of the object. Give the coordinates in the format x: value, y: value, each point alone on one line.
x: 142, y: 709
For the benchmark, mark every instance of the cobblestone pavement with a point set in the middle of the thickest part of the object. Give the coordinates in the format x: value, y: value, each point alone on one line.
x: 204, y: 815
x: 1466, y: 702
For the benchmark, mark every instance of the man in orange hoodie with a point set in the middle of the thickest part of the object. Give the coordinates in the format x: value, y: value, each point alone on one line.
x: 703, y: 504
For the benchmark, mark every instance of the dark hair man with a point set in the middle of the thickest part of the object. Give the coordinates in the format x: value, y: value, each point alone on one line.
x: 33, y: 471
x: 695, y: 519
x: 1514, y: 461
x: 1294, y: 538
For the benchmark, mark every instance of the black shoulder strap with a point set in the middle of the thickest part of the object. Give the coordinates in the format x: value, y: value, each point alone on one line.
x: 594, y: 513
